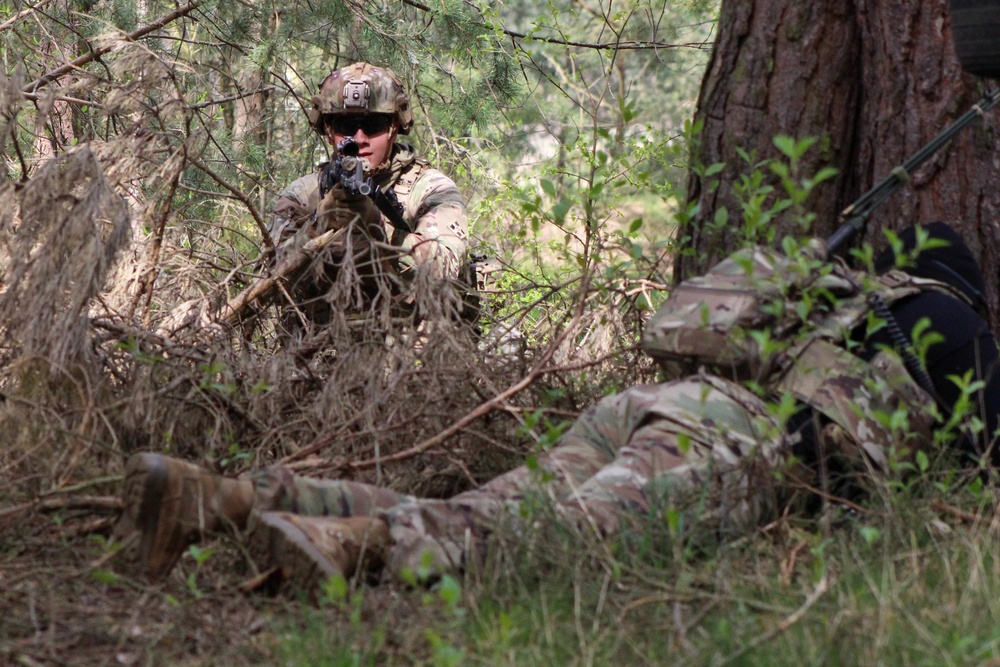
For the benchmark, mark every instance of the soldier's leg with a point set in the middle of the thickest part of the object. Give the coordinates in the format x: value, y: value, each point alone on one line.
x: 592, y: 442
x: 697, y: 443
x: 428, y: 537
x: 436, y: 536
x: 704, y: 446
x: 278, y: 489
x: 309, y: 529
x: 168, y: 503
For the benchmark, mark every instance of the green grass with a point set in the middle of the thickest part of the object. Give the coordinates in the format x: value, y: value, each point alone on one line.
x: 904, y: 586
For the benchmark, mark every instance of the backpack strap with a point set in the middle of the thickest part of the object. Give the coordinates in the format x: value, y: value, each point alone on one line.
x: 907, y: 284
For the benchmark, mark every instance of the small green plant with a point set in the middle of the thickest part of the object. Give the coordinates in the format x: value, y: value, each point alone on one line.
x: 200, y: 555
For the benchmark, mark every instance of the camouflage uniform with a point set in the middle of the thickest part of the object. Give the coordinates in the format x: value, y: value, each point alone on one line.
x: 688, y: 440
x: 432, y: 206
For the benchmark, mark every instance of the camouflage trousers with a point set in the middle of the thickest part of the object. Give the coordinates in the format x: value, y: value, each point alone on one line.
x: 698, y: 444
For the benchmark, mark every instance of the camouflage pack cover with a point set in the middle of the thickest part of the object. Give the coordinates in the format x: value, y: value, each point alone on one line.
x: 754, y: 300
x: 711, y: 320
x: 361, y: 88
x: 870, y: 406
x: 758, y: 296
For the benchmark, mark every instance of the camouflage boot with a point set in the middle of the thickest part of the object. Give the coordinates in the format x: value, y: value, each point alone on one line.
x: 169, y: 503
x: 308, y: 550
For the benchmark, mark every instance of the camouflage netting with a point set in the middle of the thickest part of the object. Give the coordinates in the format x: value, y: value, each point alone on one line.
x: 83, y: 379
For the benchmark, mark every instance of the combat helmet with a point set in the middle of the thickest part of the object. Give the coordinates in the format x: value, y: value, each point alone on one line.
x: 361, y: 88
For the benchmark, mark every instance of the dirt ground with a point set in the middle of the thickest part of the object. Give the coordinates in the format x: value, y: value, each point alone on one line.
x: 65, y: 603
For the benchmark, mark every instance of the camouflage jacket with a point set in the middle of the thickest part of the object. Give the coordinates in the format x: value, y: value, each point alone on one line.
x: 432, y: 206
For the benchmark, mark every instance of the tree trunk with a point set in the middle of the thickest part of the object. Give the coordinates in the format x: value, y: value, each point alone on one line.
x: 874, y: 81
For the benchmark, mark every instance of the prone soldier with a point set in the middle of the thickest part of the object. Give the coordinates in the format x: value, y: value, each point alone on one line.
x: 705, y: 443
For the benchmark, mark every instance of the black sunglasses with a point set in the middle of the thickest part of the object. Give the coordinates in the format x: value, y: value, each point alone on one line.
x: 348, y: 126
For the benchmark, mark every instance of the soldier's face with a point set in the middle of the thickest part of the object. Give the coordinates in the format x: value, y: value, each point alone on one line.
x: 374, y: 134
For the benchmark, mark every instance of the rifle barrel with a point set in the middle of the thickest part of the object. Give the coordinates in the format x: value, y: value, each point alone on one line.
x: 855, y: 216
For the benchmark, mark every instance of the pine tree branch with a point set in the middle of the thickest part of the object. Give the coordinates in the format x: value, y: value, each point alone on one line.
x: 97, y: 53
x: 265, y: 237
x: 630, y: 45
x: 20, y: 15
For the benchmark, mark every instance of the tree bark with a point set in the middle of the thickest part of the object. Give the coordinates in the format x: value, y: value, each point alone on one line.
x: 874, y: 81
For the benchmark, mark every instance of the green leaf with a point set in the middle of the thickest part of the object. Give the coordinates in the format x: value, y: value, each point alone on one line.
x: 922, y: 462
x: 714, y: 169
x: 870, y: 534
x: 335, y: 589
x: 786, y: 145
x: 106, y: 577
x: 673, y: 520
x: 824, y: 174
x: 449, y: 591
x: 560, y: 210
x: 721, y: 217
x: 548, y: 187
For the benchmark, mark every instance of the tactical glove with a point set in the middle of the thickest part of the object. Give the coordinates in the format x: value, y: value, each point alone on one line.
x: 339, y: 209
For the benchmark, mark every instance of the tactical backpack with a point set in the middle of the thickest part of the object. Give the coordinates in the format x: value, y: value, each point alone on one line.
x: 784, y: 324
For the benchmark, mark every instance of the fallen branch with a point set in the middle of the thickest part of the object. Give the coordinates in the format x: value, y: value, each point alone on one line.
x: 81, y: 503
x: 968, y: 517
x: 821, y: 588
x: 9, y: 515
x: 191, y: 314
x: 98, y: 525
x: 230, y: 313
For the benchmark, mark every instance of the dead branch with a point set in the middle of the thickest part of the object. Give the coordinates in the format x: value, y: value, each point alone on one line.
x: 231, y: 312
x: 821, y: 589
x: 536, y: 371
x: 81, y: 503
x: 156, y: 243
x: 265, y: 237
x: 967, y: 517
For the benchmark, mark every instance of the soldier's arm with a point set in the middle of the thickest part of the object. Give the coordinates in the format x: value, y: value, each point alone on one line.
x: 293, y: 209
x: 292, y: 212
x: 436, y: 210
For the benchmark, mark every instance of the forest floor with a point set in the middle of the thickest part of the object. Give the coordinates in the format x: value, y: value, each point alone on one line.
x: 911, y: 582
x: 64, y: 602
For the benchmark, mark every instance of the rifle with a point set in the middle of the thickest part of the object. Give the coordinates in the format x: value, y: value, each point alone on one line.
x: 855, y: 217
x: 347, y: 171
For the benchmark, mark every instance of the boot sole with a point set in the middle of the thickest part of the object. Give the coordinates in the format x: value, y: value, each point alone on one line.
x: 271, y: 540
x: 144, y: 496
